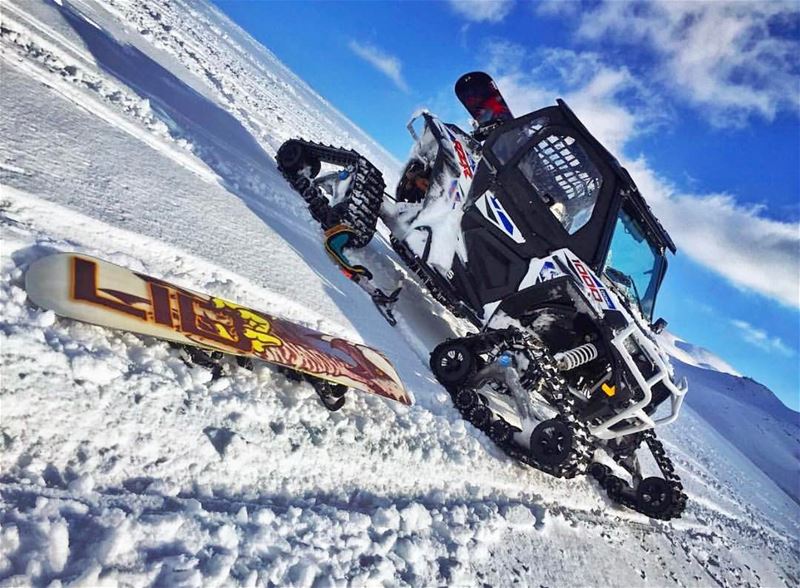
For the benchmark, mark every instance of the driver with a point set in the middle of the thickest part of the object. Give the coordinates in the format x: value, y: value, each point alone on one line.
x: 415, y: 182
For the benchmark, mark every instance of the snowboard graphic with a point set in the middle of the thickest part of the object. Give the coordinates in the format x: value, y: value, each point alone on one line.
x: 480, y: 96
x: 95, y: 291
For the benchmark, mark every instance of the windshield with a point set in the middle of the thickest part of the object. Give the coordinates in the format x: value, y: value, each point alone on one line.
x: 634, y: 264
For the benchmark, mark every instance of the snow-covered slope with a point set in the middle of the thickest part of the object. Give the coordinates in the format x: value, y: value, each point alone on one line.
x: 743, y: 411
x: 143, y: 132
x: 746, y: 413
x: 694, y: 355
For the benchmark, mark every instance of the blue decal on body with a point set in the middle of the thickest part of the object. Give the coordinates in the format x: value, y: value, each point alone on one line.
x: 501, y: 214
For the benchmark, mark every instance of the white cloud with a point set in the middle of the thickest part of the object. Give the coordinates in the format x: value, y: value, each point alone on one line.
x: 388, y: 65
x: 736, y: 242
x: 561, y: 8
x: 733, y: 59
x: 482, y: 10
x: 530, y: 81
x: 761, y: 339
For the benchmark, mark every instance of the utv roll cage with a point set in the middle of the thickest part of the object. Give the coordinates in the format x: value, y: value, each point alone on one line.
x: 571, y: 160
x: 512, y: 141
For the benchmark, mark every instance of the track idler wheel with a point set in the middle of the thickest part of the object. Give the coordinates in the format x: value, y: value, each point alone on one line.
x: 292, y: 157
x: 599, y: 471
x: 480, y: 415
x: 465, y: 399
x: 654, y: 496
x: 500, y: 432
x: 551, y: 442
x: 615, y: 487
x: 452, y: 363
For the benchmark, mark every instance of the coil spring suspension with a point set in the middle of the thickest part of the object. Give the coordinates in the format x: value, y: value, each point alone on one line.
x: 573, y: 358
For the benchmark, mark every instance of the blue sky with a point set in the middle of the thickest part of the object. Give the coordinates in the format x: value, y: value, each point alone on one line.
x: 700, y: 101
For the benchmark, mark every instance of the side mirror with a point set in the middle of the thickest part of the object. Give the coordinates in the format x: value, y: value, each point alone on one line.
x: 658, y: 326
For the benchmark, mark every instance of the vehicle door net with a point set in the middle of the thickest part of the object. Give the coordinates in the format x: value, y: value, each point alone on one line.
x: 565, y: 178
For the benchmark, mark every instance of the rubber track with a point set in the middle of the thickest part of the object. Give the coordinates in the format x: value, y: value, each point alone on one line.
x: 622, y: 493
x: 440, y: 294
x: 543, y: 375
x: 362, y: 204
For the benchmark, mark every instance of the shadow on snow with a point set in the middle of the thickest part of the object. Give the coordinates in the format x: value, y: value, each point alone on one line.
x: 248, y: 172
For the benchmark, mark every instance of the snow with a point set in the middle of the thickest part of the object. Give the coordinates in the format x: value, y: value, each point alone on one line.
x: 121, y: 465
x: 694, y: 355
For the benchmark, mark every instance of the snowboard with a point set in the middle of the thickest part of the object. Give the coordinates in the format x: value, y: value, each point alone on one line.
x: 95, y: 291
x: 479, y: 95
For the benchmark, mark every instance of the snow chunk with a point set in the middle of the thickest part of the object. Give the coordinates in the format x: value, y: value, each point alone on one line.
x: 226, y: 537
x: 520, y: 515
x: 302, y: 574
x: 58, y: 546
x: 91, y: 369
x: 82, y: 485
x: 263, y: 517
x: 180, y: 571
x: 9, y: 543
x: 415, y: 518
x: 46, y: 319
x: 386, y: 519
x: 409, y: 551
x: 359, y: 521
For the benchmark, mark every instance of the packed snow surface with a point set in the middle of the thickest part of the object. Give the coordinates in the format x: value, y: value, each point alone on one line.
x: 144, y: 133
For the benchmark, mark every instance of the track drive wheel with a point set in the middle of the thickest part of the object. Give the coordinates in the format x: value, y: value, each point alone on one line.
x: 292, y: 157
x: 452, y: 363
x: 551, y: 442
x: 654, y: 496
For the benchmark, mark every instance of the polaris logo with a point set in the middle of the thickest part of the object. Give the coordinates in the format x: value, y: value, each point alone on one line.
x: 549, y: 271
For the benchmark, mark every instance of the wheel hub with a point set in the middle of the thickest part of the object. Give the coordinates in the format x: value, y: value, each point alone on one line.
x: 551, y: 442
x: 653, y: 494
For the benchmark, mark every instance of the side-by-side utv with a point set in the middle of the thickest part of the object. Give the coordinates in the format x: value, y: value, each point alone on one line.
x: 531, y: 230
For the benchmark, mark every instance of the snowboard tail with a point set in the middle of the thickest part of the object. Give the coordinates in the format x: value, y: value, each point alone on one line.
x: 95, y: 291
x: 480, y: 96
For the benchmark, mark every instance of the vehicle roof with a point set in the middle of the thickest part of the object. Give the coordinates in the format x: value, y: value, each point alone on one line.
x: 633, y: 196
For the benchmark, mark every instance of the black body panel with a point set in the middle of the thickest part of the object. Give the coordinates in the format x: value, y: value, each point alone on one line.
x: 496, y: 268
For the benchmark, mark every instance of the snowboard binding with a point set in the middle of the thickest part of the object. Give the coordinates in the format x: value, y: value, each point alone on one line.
x: 330, y: 394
